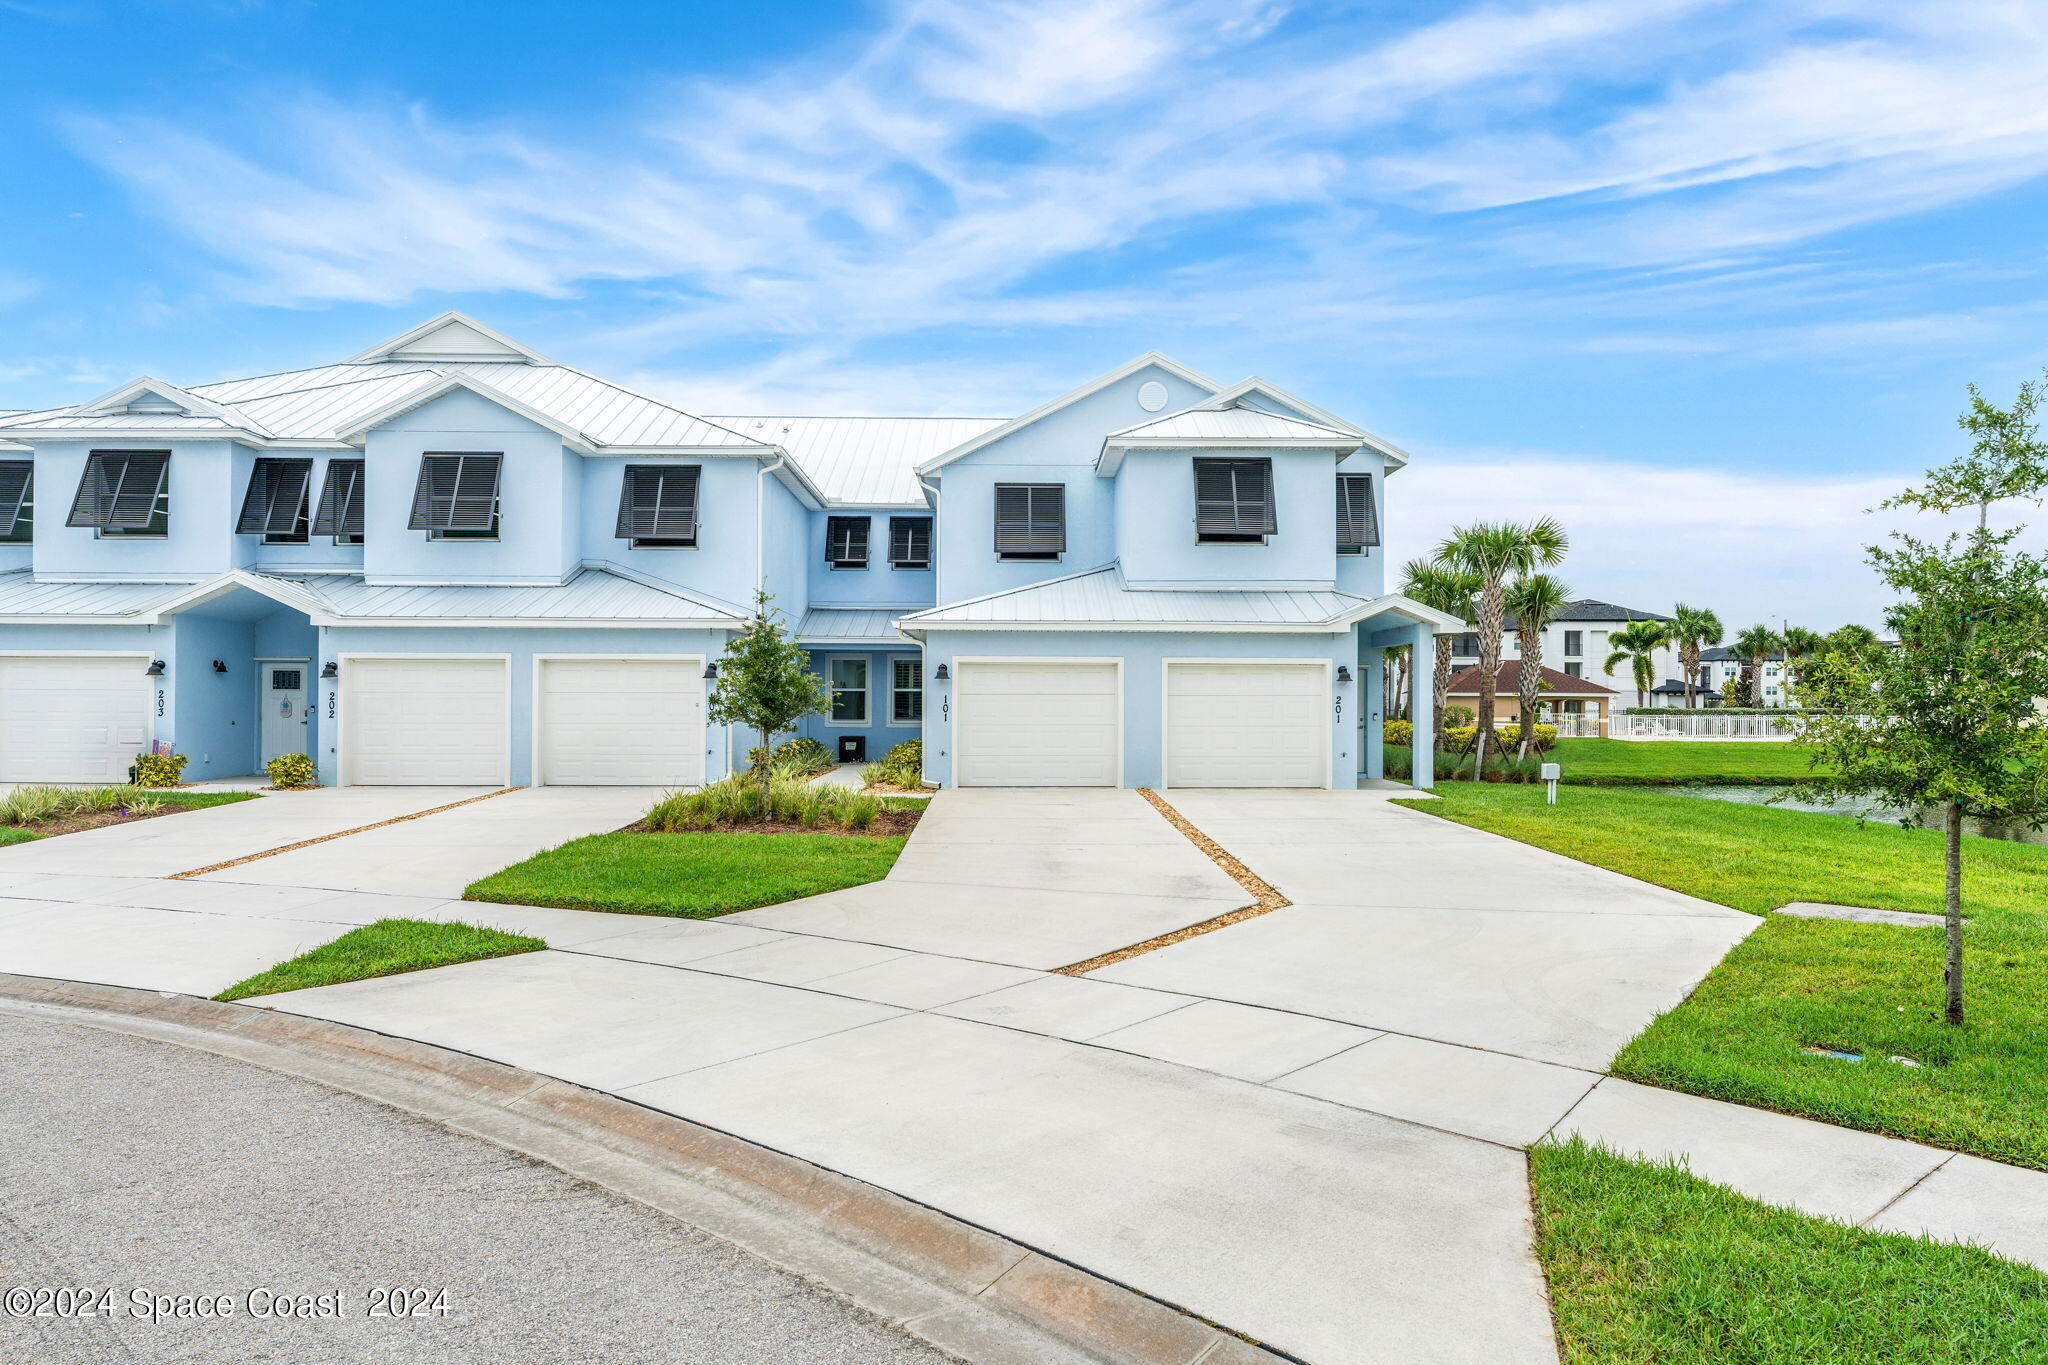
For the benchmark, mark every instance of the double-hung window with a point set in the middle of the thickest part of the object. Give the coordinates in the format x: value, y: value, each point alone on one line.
x: 846, y: 542
x: 1234, y: 502
x: 456, y: 497
x: 341, y: 503
x: 1575, y: 642
x: 906, y: 692
x: 847, y: 677
x: 1358, y: 520
x: 1031, y: 520
x: 276, y: 503
x: 17, y: 502
x: 124, y: 493
x: 658, y: 506
x: 910, y: 542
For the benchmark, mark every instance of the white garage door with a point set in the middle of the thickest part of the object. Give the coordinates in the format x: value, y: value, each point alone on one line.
x: 424, y: 722
x: 72, y: 719
x: 1247, y: 725
x: 622, y: 722
x: 1036, y: 725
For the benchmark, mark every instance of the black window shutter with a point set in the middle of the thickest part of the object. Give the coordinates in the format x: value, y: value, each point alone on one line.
x: 341, y: 500
x: 659, y: 502
x: 119, y: 489
x: 1031, y: 518
x: 14, y: 481
x: 276, y: 496
x: 910, y: 542
x: 846, y: 541
x: 456, y: 492
x: 1358, y: 519
x: 1234, y: 498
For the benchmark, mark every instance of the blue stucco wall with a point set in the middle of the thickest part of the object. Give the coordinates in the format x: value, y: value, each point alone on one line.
x: 1155, y: 524
x: 723, y: 562
x: 878, y: 731
x: 207, y: 479
x: 880, y: 584
x: 1366, y: 574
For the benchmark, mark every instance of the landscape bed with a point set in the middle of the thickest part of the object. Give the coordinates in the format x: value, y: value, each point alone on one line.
x: 72, y: 809
x: 1871, y: 990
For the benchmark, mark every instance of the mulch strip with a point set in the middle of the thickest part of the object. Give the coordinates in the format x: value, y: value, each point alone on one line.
x: 100, y: 820
x: 1265, y: 898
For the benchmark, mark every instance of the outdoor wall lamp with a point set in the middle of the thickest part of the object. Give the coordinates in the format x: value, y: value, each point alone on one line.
x: 710, y: 672
x: 155, y: 669
x: 1343, y: 674
x: 219, y: 667
x: 332, y: 670
x: 941, y: 675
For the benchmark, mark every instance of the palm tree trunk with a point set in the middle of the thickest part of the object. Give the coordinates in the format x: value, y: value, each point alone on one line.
x: 1440, y: 681
x: 1952, y: 905
x: 1756, y: 681
x: 1531, y: 680
x: 1689, y: 661
x: 1492, y: 607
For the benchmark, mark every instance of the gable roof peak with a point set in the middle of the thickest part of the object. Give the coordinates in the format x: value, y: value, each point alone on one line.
x: 183, y: 401
x: 452, y: 336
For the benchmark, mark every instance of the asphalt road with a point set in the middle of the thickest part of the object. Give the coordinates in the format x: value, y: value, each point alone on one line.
x: 143, y: 1167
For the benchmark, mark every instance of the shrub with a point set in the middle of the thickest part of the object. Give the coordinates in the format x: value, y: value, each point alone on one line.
x: 1460, y: 739
x: 38, y: 805
x: 737, y: 800
x: 1454, y: 716
x: 292, y: 770
x: 797, y: 758
x: 159, y: 770
x: 1500, y: 767
x: 902, y: 766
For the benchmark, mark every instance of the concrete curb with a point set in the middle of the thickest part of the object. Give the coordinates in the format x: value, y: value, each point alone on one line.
x: 963, y: 1289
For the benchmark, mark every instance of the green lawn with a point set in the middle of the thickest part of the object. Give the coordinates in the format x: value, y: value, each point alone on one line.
x: 1649, y: 1266
x: 1865, y: 988
x: 21, y: 834
x: 384, y: 948
x: 696, y: 875
x: 1619, y: 762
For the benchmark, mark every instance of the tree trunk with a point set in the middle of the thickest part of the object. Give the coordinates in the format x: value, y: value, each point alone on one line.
x: 1689, y: 660
x: 1440, y: 681
x: 1756, y: 682
x: 1952, y: 897
x: 1531, y: 685
x: 767, y: 774
x: 1492, y: 607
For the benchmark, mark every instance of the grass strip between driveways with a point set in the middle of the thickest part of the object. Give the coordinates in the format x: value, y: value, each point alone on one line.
x: 21, y: 834
x: 1651, y: 1266
x: 696, y: 875
x: 384, y: 948
x: 1870, y: 989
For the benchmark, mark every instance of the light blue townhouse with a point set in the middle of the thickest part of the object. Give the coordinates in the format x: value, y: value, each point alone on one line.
x: 451, y: 561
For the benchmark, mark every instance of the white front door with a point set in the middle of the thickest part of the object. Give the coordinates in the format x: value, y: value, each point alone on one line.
x: 424, y: 722
x: 1025, y: 724
x: 621, y: 722
x: 70, y: 718
x: 282, y: 707
x: 1247, y: 725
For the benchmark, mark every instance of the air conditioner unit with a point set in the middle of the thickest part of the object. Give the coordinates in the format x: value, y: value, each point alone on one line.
x: 853, y: 748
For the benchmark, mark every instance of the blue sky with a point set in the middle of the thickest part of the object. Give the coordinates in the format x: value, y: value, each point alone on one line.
x: 1703, y: 279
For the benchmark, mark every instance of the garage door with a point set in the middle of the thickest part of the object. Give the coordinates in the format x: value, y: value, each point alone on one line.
x: 622, y: 722
x: 71, y: 719
x: 1036, y: 725
x: 424, y: 722
x: 1247, y: 725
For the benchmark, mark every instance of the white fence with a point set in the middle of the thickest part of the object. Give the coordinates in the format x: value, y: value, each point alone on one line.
x: 1678, y: 725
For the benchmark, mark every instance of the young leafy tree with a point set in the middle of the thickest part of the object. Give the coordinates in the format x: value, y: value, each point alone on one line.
x: 1692, y: 628
x: 1535, y: 599
x: 1756, y: 645
x: 1636, y: 644
x: 1495, y: 552
x: 1949, y: 719
x: 1448, y: 590
x: 765, y: 682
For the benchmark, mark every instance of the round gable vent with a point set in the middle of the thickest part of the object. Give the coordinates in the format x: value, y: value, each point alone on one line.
x: 1151, y: 395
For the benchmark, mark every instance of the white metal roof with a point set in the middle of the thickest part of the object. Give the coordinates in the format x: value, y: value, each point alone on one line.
x: 1100, y: 600
x: 22, y: 596
x: 1233, y: 424
x: 851, y: 626
x: 591, y: 595
x: 863, y: 461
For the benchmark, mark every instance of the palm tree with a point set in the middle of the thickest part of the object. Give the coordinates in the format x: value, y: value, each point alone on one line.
x: 1535, y: 599
x: 1637, y: 644
x: 1798, y: 642
x: 1691, y: 629
x: 1495, y: 552
x: 1448, y: 590
x: 1755, y: 645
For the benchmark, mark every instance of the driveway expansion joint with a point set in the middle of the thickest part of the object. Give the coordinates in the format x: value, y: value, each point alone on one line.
x: 338, y: 834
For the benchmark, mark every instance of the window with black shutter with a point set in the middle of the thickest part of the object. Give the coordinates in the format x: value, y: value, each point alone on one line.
x: 124, y: 493
x: 846, y: 542
x: 17, y: 502
x: 1234, y: 501
x: 275, y: 505
x: 1358, y: 520
x: 658, y: 506
x: 341, y: 503
x: 1031, y: 520
x: 910, y: 542
x: 456, y: 497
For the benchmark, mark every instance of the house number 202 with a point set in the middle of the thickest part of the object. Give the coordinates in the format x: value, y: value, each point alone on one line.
x: 330, y: 706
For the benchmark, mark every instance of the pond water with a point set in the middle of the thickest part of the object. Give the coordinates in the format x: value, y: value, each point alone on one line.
x: 1788, y: 798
